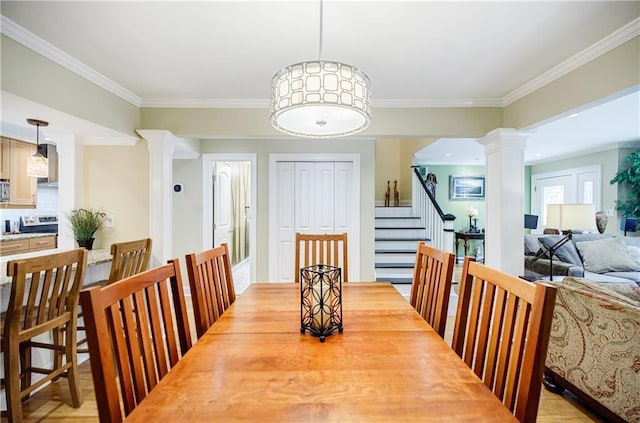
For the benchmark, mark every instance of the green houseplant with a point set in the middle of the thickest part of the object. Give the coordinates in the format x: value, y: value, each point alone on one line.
x: 85, y: 223
x: 629, y: 181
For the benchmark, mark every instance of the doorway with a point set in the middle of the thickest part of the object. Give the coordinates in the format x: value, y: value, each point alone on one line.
x: 229, y: 198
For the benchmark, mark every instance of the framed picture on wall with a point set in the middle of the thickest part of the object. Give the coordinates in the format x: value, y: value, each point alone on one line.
x: 466, y: 187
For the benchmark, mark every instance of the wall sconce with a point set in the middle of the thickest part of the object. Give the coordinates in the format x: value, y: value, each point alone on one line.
x: 321, y: 300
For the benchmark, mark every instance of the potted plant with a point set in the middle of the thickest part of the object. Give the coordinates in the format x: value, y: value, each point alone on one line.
x: 85, y: 223
x: 629, y: 180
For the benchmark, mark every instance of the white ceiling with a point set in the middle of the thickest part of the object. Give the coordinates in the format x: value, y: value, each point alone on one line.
x: 416, y: 53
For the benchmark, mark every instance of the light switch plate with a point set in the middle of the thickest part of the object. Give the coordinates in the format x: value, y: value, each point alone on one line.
x: 108, y: 221
x: 610, y: 212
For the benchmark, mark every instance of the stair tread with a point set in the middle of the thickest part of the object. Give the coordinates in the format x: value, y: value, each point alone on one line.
x: 386, y: 251
x: 402, y: 239
x: 397, y: 217
x: 399, y: 227
x: 394, y: 265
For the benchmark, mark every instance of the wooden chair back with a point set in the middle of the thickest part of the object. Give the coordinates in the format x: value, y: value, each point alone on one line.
x: 137, y: 330
x: 329, y: 249
x: 502, y: 333
x: 129, y: 258
x: 211, y: 283
x: 431, y: 285
x: 43, y: 299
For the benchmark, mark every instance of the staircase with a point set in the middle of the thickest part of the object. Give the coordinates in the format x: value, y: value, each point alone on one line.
x: 396, y: 240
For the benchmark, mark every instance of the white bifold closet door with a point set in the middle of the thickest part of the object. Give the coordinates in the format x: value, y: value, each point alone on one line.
x: 312, y: 197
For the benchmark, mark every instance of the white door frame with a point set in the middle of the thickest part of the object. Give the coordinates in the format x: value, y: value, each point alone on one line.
x: 207, y: 192
x: 354, y: 241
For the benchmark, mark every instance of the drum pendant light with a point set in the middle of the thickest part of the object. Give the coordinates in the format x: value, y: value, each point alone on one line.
x: 320, y: 99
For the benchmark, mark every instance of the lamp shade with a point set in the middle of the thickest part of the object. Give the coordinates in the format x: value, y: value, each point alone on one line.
x: 320, y: 99
x: 571, y: 216
x: 37, y: 166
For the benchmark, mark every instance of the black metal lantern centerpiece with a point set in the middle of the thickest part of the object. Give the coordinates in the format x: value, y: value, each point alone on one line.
x: 321, y: 300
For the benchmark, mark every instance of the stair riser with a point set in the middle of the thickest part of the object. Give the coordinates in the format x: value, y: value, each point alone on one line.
x: 404, y: 272
x: 396, y: 245
x: 401, y: 233
x: 395, y: 258
x: 394, y: 212
x: 397, y: 223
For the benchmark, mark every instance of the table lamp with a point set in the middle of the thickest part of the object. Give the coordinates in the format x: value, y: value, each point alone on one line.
x: 568, y: 217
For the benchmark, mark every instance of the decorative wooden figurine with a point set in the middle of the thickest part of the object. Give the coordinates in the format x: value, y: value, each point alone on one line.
x: 396, y: 194
x: 431, y: 182
x: 387, y: 196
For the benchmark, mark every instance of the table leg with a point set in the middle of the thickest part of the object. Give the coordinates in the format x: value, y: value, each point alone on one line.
x: 465, y: 247
x: 457, y: 239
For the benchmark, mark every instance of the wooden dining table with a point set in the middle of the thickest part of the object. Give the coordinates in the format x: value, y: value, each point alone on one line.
x: 254, y: 365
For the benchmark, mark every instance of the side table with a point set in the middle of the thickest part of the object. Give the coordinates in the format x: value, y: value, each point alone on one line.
x: 466, y: 236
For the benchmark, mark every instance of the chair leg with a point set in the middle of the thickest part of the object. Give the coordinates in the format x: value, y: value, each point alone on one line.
x: 71, y: 355
x: 24, y: 367
x: 13, y: 381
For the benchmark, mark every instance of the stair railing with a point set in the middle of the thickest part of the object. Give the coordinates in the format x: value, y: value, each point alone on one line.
x: 439, y: 226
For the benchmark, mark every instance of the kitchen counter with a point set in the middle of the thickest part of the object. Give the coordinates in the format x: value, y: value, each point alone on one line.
x: 94, y: 259
x: 13, y: 236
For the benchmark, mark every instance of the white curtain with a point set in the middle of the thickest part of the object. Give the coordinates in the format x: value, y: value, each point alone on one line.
x: 241, y: 210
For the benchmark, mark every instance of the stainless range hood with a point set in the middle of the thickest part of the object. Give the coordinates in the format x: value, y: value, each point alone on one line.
x: 50, y: 152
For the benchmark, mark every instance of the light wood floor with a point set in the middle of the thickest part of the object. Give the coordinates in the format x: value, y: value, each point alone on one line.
x: 53, y: 403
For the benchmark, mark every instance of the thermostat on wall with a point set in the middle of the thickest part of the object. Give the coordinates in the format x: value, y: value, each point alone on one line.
x: 177, y: 188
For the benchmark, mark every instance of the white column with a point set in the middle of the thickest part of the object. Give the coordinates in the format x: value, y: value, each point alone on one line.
x: 504, y: 159
x: 70, y: 159
x: 161, y: 145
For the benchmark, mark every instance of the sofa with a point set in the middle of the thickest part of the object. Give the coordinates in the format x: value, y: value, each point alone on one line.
x: 600, y: 258
x: 594, y: 346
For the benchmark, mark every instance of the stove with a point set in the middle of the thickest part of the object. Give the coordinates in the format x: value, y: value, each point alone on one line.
x: 42, y: 224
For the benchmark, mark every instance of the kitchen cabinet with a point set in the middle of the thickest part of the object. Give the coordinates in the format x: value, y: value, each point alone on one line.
x: 15, y: 246
x: 5, y: 156
x: 27, y: 245
x: 42, y: 243
x: 23, y: 188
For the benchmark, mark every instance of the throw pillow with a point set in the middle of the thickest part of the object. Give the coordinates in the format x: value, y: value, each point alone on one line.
x: 634, y: 253
x: 567, y: 252
x: 606, y: 255
x: 531, y: 245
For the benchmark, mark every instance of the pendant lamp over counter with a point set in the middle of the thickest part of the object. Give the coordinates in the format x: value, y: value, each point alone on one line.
x: 37, y: 165
x: 320, y: 99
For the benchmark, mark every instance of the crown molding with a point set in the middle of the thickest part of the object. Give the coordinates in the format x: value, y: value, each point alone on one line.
x: 212, y: 103
x: 437, y: 103
x: 37, y: 44
x: 608, y: 43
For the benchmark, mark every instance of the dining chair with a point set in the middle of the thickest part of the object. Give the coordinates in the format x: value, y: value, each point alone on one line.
x: 128, y: 258
x: 211, y: 283
x: 329, y: 249
x: 138, y: 330
x: 41, y: 315
x: 502, y: 332
x: 431, y: 285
